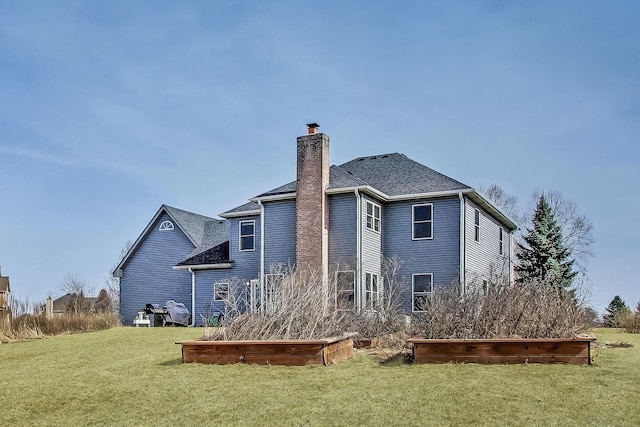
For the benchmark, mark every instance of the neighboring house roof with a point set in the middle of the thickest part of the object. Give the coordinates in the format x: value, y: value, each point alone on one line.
x: 61, y: 304
x: 4, y: 284
x: 193, y: 225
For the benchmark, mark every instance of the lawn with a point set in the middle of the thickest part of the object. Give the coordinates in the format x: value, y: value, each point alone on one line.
x: 134, y: 376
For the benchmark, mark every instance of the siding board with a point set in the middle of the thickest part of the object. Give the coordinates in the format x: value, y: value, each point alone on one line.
x: 149, y: 277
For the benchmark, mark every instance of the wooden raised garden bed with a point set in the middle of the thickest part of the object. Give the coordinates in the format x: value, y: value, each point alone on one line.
x: 575, y: 351
x: 277, y: 352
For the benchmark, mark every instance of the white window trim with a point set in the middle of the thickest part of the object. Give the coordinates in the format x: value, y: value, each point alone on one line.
x: 413, y: 221
x: 266, y: 302
x: 216, y: 284
x: 353, y: 290
x: 373, y: 217
x: 476, y: 226
x: 166, y: 226
x: 414, y: 293
x: 500, y: 241
x: 253, y: 222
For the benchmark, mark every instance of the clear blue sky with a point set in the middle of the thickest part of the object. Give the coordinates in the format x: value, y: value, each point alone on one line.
x: 109, y: 109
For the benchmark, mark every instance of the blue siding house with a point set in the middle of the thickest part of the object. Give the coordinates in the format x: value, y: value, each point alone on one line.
x: 344, y: 221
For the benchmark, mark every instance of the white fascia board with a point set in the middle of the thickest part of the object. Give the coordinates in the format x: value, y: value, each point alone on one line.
x: 429, y: 195
x: 204, y: 266
x: 362, y: 188
x: 497, y: 213
x: 240, y: 214
x: 274, y: 197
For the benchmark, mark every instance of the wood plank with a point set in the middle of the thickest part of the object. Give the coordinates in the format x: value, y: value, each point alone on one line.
x: 291, y: 352
x: 573, y: 351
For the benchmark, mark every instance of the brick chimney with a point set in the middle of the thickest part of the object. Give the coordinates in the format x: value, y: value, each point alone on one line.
x: 312, y: 214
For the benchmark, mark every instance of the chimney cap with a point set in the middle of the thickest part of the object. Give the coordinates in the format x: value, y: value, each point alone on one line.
x: 312, y: 127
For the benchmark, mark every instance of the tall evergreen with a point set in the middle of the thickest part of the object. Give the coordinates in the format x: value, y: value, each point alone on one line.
x: 543, y: 256
x: 616, y: 310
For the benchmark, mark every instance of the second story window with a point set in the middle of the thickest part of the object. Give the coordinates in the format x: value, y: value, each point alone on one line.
x: 476, y: 234
x: 247, y: 235
x: 501, y: 244
x: 422, y: 221
x: 373, y: 216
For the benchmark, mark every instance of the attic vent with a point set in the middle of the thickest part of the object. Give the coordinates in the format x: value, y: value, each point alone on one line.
x: 385, y: 156
x: 166, y: 226
x: 361, y: 159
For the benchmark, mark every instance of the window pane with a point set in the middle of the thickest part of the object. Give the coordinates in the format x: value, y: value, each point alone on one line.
x: 377, y: 211
x: 246, y: 228
x: 369, y: 209
x: 246, y: 243
x: 345, y: 280
x: 422, y: 230
x: 420, y: 302
x: 477, y: 217
x: 346, y: 300
x: 422, y: 283
x: 422, y: 213
x: 369, y: 222
x: 374, y: 283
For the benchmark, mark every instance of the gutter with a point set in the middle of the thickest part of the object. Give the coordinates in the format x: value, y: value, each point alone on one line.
x: 462, y: 242
x: 193, y: 297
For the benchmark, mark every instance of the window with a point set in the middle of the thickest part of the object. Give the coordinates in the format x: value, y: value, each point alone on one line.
x: 247, y: 235
x: 373, y: 216
x: 501, y: 244
x: 422, y: 288
x: 166, y: 226
x: 371, y: 294
x: 345, y: 290
x: 273, y: 292
x: 422, y: 218
x: 477, y: 226
x: 221, y: 291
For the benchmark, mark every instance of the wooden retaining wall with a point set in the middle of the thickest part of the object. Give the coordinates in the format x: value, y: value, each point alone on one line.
x: 278, y: 352
x: 539, y: 350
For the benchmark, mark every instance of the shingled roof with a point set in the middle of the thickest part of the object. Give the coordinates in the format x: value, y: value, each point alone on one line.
x: 392, y: 174
x: 202, y: 231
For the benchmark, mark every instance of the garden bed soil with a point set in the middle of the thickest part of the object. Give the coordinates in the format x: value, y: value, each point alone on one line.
x: 533, y: 350
x: 327, y: 351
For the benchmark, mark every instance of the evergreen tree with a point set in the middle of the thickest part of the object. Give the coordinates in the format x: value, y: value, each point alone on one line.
x: 616, y: 310
x: 543, y: 257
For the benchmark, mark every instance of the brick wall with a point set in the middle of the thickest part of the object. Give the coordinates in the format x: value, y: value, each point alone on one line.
x: 312, y: 219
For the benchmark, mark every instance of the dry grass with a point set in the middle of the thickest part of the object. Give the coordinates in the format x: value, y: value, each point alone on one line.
x: 27, y: 322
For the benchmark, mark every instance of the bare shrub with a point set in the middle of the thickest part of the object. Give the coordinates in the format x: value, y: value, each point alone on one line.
x: 528, y: 310
x: 300, y: 306
x: 29, y: 321
x: 630, y: 322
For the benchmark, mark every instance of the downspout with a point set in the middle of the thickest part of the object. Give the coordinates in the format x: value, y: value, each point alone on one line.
x: 261, y: 251
x: 511, y: 272
x: 193, y: 297
x: 358, y: 249
x: 462, y: 242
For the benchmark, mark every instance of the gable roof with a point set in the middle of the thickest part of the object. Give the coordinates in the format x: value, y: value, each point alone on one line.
x: 60, y: 304
x: 191, y: 224
x: 397, y: 175
x: 392, y: 174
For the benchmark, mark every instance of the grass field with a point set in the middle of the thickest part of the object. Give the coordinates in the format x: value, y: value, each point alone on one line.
x: 134, y: 376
